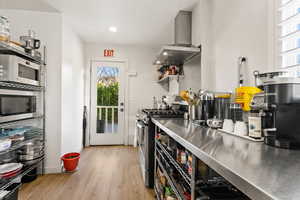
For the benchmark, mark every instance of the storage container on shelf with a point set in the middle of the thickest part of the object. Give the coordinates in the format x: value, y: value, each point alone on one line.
x: 4, y: 29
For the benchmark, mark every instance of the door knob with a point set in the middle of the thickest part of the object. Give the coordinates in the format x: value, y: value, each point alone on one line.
x: 121, y: 104
x: 121, y: 109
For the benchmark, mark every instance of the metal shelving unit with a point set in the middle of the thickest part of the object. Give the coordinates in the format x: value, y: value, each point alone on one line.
x: 37, y: 123
x: 18, y: 145
x: 170, y: 180
x: 182, y: 172
x: 5, y: 183
x: 17, y: 86
x: 9, y: 48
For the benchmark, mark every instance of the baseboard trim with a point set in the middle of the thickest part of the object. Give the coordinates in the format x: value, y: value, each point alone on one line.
x: 52, y: 170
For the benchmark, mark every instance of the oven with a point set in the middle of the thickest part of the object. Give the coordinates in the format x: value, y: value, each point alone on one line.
x: 19, y: 70
x: 17, y: 105
x: 145, y: 148
x: 141, y: 141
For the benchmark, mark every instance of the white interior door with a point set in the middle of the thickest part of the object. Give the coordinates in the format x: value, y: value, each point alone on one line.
x: 107, y: 103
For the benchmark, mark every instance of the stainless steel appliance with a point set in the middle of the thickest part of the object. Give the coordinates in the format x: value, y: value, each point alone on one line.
x: 16, y: 69
x: 182, y: 50
x: 17, y: 105
x: 146, y: 138
x: 280, y: 111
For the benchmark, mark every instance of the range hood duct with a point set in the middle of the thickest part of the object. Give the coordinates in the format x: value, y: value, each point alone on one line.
x: 182, y: 50
x: 183, y: 29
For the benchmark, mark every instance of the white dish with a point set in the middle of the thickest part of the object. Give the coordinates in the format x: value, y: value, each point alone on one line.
x: 241, y: 136
x: 9, y: 167
x: 5, y: 144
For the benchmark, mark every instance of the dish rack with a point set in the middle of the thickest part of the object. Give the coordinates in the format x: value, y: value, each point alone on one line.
x: 16, y: 134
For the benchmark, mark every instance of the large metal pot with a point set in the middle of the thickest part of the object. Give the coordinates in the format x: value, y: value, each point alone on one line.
x: 205, y: 108
x: 28, y: 157
x: 32, y: 147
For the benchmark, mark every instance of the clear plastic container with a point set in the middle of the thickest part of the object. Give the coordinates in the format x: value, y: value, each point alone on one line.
x: 4, y: 29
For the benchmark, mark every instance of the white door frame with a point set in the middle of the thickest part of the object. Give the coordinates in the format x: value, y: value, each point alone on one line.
x: 126, y: 102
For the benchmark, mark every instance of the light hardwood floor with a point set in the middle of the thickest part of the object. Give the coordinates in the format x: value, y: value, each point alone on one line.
x: 105, y: 173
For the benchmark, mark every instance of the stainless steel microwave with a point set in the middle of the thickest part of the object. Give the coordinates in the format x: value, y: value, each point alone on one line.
x: 17, y: 105
x: 17, y: 69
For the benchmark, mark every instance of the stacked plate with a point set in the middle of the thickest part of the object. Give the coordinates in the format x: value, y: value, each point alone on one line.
x: 10, y: 169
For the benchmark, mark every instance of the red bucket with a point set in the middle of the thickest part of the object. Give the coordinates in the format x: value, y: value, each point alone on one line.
x: 70, y: 161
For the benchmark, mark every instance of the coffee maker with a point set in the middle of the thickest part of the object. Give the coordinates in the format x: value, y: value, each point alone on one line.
x: 279, y: 108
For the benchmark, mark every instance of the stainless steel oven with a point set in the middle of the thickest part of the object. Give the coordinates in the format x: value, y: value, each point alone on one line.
x: 17, y: 105
x: 16, y: 69
x: 146, y: 140
x: 141, y: 128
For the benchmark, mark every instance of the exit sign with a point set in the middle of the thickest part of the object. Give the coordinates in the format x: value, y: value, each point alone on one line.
x: 108, y: 52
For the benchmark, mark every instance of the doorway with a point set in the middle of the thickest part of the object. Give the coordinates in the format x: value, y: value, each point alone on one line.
x: 107, y: 103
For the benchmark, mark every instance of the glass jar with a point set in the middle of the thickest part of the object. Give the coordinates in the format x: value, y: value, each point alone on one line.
x: 4, y: 29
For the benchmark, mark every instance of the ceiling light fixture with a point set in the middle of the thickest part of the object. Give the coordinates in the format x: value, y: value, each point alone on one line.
x: 158, y: 62
x: 113, y: 29
x: 165, y: 53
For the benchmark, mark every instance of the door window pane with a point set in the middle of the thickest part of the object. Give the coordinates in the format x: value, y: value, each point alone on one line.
x: 107, y: 99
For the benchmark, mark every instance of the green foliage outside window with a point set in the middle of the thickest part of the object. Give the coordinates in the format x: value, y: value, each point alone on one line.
x: 107, y: 95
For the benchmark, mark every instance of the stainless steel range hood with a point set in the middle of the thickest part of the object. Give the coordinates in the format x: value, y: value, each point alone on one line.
x: 182, y: 51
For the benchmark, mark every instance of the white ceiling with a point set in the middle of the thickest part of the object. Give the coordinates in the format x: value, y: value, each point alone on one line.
x: 140, y: 22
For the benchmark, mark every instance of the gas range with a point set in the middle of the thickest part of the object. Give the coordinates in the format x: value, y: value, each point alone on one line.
x: 146, y: 139
x: 146, y: 114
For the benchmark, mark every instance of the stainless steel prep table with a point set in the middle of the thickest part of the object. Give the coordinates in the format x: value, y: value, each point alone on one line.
x: 260, y: 171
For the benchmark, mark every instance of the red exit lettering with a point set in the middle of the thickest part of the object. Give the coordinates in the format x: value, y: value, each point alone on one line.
x: 108, y: 52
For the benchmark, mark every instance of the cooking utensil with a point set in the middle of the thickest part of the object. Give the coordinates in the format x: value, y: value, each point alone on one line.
x: 8, y: 157
x: 29, y: 157
x: 205, y: 109
x: 9, y: 167
x: 222, y: 105
x: 31, y: 162
x: 5, y: 144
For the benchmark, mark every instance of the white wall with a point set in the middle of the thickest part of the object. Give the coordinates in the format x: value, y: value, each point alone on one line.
x: 240, y: 29
x: 72, y: 90
x: 226, y: 30
x: 49, y: 29
x: 140, y: 89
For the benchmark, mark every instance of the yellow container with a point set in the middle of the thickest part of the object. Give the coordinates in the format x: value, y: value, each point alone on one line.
x: 244, y: 96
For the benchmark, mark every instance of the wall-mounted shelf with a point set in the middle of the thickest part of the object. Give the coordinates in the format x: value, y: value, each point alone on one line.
x: 168, y: 77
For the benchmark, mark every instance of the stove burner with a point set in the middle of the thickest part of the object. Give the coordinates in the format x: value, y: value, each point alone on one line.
x: 163, y: 113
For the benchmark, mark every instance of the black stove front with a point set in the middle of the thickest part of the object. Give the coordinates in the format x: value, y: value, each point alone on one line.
x: 146, y: 140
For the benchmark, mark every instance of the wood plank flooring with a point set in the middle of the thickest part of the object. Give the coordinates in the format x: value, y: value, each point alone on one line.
x: 105, y: 173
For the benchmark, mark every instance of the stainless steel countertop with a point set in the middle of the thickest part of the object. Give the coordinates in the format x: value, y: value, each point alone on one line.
x: 260, y: 171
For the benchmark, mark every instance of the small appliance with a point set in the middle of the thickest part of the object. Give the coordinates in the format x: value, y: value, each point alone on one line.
x: 19, y: 70
x: 17, y: 105
x: 280, y: 110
